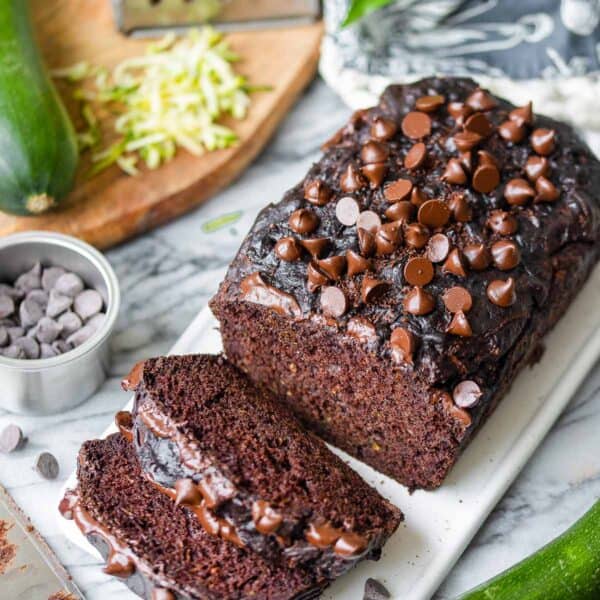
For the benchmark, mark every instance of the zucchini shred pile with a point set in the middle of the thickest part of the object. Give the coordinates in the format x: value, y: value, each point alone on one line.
x: 172, y: 96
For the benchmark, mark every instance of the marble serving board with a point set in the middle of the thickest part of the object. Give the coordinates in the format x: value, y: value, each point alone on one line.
x: 440, y: 524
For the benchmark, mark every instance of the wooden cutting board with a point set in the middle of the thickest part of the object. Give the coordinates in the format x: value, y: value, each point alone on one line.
x: 111, y: 206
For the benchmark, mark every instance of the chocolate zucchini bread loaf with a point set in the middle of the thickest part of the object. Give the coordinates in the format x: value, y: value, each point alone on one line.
x: 160, y: 549
x: 210, y: 440
x: 392, y: 296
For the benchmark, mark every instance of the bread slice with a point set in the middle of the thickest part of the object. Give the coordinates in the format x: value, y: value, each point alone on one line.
x: 211, y: 440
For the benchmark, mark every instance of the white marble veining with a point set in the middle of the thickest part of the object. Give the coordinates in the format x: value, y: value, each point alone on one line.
x: 167, y: 276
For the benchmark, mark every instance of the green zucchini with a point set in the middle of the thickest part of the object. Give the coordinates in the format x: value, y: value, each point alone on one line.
x: 38, y: 147
x: 566, y: 569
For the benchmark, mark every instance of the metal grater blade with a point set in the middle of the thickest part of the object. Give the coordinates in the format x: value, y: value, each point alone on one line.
x: 147, y: 17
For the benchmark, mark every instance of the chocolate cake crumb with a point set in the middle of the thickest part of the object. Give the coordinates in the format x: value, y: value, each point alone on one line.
x: 8, y: 551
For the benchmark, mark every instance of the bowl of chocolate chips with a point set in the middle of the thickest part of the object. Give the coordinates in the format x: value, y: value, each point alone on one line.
x: 59, y: 300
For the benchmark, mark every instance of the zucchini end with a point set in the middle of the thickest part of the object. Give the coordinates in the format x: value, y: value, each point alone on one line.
x: 36, y: 204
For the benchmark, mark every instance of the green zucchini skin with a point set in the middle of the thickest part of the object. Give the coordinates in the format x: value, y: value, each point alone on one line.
x: 38, y: 147
x: 568, y: 568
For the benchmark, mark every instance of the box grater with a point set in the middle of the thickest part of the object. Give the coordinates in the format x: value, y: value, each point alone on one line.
x: 147, y: 16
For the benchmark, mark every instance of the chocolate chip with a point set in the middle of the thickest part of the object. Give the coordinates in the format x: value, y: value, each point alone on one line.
x: 418, y: 271
x: 502, y: 293
x: 351, y: 180
x: 61, y: 346
x: 96, y: 321
x: 397, y: 190
x: 506, y: 255
x: 459, y: 110
x: 3, y: 336
x: 512, y: 132
x: 15, y: 333
x: 347, y: 211
x: 316, y: 246
x: 58, y: 303
x: 400, y: 211
x: 31, y: 280
x: 81, y: 336
x: 69, y: 322
x: 316, y: 279
x: 369, y: 221
x: 333, y: 302
x: 11, y: 292
x: 317, y: 192
x: 30, y: 347
x: 486, y: 158
x: 522, y: 115
x: 466, y: 140
x: 388, y: 238
x: 30, y: 313
x: 7, y: 306
x: 374, y: 152
x: 266, y: 519
x: 546, y: 190
x: 374, y: 172
x: 457, y: 299
x: 430, y: 104
x: 466, y: 394
x: 288, y: 249
x: 417, y: 197
x: 47, y: 351
x: 416, y: 156
x: 460, y: 209
x: 48, y: 330
x: 459, y: 325
x: 466, y: 160
x: 50, y: 276
x: 38, y: 296
x: 162, y: 594
x: 454, y: 172
x: 356, y: 263
x: 438, y: 247
x: 433, y: 213
x: 303, y: 220
x: 418, y: 302
x: 543, y: 141
x: 537, y: 166
x: 333, y: 266
x: 13, y: 351
x: 371, y: 289
x: 69, y: 284
x: 362, y: 329
x: 375, y: 590
x: 350, y: 544
x: 383, y: 129
x: 366, y: 242
x: 88, y: 303
x: 518, y: 192
x: 47, y: 465
x: 460, y: 415
x: 416, y: 125
x: 478, y: 123
x: 486, y: 178
x: 402, y: 342
x: 416, y: 235
x: 478, y: 256
x: 11, y: 439
x: 480, y: 100
x: 502, y: 222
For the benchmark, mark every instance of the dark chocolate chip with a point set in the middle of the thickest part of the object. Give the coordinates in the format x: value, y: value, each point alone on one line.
x: 400, y: 211
x: 478, y: 123
x: 398, y: 190
x: 523, y: 115
x: 357, y: 263
x: 466, y: 140
x: 372, y: 289
x: 502, y: 222
x: 333, y: 302
x: 316, y: 246
x: 459, y: 111
x: 417, y: 197
x: 303, y: 220
x: 375, y: 173
x: 366, y: 242
x: 333, y: 266
x: 466, y: 160
x: 352, y: 180
x: 481, y: 100
x: 374, y: 152
x: 416, y: 125
x: 502, y: 293
x: 383, y: 128
x: 416, y: 156
x: 438, y: 247
x: 459, y: 325
x: 11, y: 439
x: 47, y: 465
x: 430, y: 104
x: 543, y: 141
x: 402, y: 342
x: 546, y: 190
x: 375, y: 590
x: 486, y: 178
x: 454, y: 172
x: 512, y: 131
x: 418, y: 302
x: 478, y: 256
x: 487, y: 158
x: 455, y: 264
x: 317, y: 192
x: 418, y: 271
x: 518, y: 192
x: 457, y: 299
x: 460, y: 209
x: 537, y: 166
x: 466, y: 394
x: 506, y: 255
x: 416, y: 235
x: 388, y: 238
x: 347, y: 211
x: 433, y: 213
x: 288, y: 249
x: 369, y: 221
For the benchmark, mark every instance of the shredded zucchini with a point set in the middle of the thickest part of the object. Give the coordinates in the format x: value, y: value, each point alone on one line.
x: 171, y: 97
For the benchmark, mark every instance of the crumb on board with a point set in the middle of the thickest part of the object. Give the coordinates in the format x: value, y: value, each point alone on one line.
x: 8, y: 551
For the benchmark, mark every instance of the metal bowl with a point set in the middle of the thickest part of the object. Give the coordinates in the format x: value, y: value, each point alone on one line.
x: 52, y: 385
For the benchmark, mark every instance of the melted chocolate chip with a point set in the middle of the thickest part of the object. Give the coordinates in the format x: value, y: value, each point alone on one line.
x: 467, y: 140
x: 187, y: 493
x: 518, y: 192
x: 478, y: 123
x: 455, y: 264
x: 478, y: 256
x: 254, y: 289
x: 162, y: 594
x: 480, y: 100
x: 523, y: 115
x: 350, y: 544
x: 288, y: 249
x: 333, y: 302
x: 317, y: 192
x: 366, y: 242
x: 303, y: 220
x: 402, y: 342
x: 124, y: 423
x: 316, y: 279
x: 357, y: 263
x: 134, y: 377
x: 418, y: 302
x: 430, y: 104
x: 416, y: 235
x: 400, y: 211
x: 416, y: 125
x: 388, y: 238
x: 418, y: 271
x: 372, y: 289
x: 316, y: 246
x: 438, y: 248
x: 546, y: 190
x: 461, y: 211
x: 459, y: 325
x: 433, y: 213
x: 266, y: 519
x: 512, y: 132
x: 398, y: 190
x: 458, y: 414
x: 502, y: 293
x: 486, y: 178
x: 506, y: 255
x: 537, y: 166
x: 333, y: 266
x: 351, y: 180
x: 466, y: 394
x: 454, y: 172
x: 543, y: 141
x: 322, y: 535
x: 347, y: 210
x: 362, y: 329
x: 457, y: 299
x: 369, y: 221
x: 383, y: 129
x: 502, y: 222
x: 374, y: 172
x: 416, y: 156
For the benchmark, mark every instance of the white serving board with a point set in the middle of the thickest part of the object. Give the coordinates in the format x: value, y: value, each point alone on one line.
x: 440, y: 524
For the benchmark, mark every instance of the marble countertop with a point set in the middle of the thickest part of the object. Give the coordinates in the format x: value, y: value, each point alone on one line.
x: 168, y: 275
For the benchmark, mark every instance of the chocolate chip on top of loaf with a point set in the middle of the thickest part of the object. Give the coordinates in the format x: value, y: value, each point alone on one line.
x: 441, y: 186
